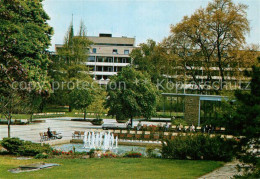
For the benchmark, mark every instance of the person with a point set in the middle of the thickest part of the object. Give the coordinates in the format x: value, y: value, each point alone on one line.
x: 166, y: 127
x: 209, y: 129
x: 129, y: 125
x: 206, y: 129
x: 49, y: 133
x: 179, y: 127
x: 192, y: 128
x: 139, y: 126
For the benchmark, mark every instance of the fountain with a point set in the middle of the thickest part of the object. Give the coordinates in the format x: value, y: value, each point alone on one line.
x: 100, y: 140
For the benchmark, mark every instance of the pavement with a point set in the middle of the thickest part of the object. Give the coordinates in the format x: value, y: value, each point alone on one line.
x: 225, y: 172
x: 62, y: 125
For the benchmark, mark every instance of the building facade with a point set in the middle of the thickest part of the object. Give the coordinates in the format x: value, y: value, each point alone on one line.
x: 108, y: 55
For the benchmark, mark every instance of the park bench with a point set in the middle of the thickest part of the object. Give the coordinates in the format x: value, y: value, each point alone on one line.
x: 76, y: 134
x: 43, y: 137
x: 147, y: 134
x: 138, y: 135
x: 156, y: 136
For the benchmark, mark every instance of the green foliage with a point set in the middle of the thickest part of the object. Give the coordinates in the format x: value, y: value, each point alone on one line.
x: 98, y: 102
x: 152, y: 59
x: 150, y: 152
x: 244, y: 120
x: 41, y: 156
x: 24, y: 148
x: 69, y: 66
x: 97, y: 121
x: 80, y: 98
x: 24, y: 40
x: 199, y: 147
x: 178, y: 121
x: 207, y: 37
x: 31, y: 149
x: 131, y: 94
x: 11, y: 144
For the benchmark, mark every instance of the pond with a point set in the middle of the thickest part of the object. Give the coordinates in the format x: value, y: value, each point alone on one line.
x: 121, y: 149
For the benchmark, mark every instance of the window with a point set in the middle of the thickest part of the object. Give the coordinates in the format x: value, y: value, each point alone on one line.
x: 123, y: 60
x: 114, y: 51
x: 91, y: 59
x: 126, y: 52
x: 110, y: 60
x: 94, y: 50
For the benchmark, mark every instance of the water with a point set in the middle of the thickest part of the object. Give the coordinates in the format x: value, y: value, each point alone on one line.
x: 121, y: 149
x: 100, y: 140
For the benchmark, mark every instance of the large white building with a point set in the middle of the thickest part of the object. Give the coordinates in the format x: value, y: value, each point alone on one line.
x: 108, y: 55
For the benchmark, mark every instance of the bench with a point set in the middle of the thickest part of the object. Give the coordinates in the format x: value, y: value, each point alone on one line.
x: 76, y: 134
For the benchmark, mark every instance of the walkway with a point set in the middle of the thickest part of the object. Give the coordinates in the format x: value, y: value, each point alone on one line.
x: 225, y: 172
x: 62, y: 125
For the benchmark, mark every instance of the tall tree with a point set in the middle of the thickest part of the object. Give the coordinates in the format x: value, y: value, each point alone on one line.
x: 25, y: 36
x: 153, y: 59
x: 131, y: 94
x: 243, y: 119
x: 210, y: 38
x: 70, y: 63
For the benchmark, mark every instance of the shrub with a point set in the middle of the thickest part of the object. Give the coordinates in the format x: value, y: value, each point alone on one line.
x: 133, y: 155
x: 11, y: 144
x: 150, y: 153
x: 24, y: 148
x: 32, y: 149
x: 97, y: 121
x: 41, y: 156
x: 199, y: 147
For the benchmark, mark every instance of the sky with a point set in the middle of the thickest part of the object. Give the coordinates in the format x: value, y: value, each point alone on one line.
x: 142, y: 19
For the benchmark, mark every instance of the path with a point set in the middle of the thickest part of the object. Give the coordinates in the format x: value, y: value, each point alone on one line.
x: 225, y: 172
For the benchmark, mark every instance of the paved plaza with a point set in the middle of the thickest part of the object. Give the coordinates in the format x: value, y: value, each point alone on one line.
x: 62, y: 125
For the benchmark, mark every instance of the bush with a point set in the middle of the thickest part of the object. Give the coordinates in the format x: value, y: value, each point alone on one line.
x: 24, y: 148
x: 11, y: 144
x: 41, y: 156
x: 32, y: 149
x: 97, y: 121
x: 199, y: 147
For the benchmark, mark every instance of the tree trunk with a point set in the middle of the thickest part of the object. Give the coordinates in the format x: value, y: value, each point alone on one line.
x: 31, y: 118
x: 131, y: 122
x: 70, y: 108
x: 85, y: 112
x: 9, y: 127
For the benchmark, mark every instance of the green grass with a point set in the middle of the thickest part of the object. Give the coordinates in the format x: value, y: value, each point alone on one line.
x: 111, y: 168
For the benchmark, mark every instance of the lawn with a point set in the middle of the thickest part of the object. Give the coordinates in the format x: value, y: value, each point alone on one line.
x: 111, y: 168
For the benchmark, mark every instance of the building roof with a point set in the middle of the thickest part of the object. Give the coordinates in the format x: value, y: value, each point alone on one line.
x: 112, y: 40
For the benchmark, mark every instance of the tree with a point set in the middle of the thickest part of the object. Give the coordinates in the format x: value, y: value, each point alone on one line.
x: 70, y: 64
x: 242, y: 118
x: 98, y: 101
x: 153, y: 59
x: 131, y: 94
x: 210, y: 38
x: 25, y: 36
x: 81, y: 97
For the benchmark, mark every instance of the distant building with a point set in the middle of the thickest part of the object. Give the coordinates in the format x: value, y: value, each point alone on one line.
x: 108, y: 55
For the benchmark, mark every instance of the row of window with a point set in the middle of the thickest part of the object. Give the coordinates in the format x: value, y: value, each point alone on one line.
x: 109, y: 59
x: 114, y: 51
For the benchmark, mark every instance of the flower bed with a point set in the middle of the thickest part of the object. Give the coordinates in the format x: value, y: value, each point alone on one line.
x: 133, y: 155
